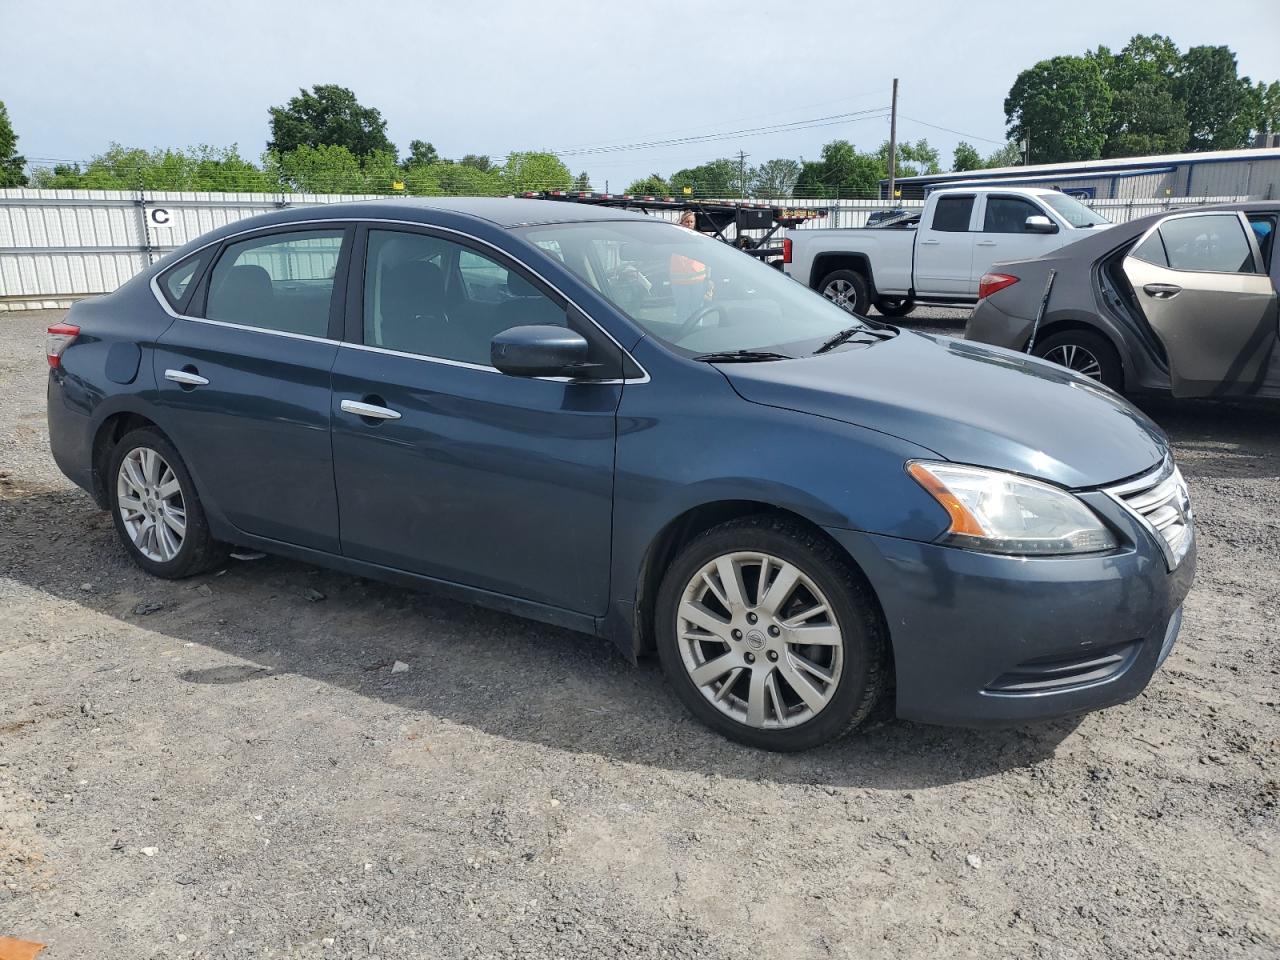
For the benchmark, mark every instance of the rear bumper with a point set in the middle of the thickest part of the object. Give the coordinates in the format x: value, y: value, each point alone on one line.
x: 982, y: 640
x: 70, y: 435
x: 989, y: 324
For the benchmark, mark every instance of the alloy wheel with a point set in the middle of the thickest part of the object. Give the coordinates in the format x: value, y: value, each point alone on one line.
x: 760, y: 640
x: 842, y: 293
x: 1077, y: 358
x: 149, y: 498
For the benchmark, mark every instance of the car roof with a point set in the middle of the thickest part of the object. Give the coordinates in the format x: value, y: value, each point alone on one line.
x: 500, y: 211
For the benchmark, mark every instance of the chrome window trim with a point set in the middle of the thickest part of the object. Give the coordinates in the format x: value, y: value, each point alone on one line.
x: 302, y: 224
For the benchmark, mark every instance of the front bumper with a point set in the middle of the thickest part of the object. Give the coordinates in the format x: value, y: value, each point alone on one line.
x: 981, y: 640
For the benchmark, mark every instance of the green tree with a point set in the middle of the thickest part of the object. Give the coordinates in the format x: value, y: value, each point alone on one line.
x: 582, y: 181
x: 1266, y: 107
x: 535, y: 170
x: 651, y: 186
x: 326, y: 116
x: 1218, y: 102
x: 914, y: 159
x: 12, y: 163
x: 1010, y: 155
x: 478, y: 161
x: 202, y: 168
x: 1146, y: 116
x: 1064, y: 106
x: 716, y: 178
x: 841, y: 172
x: 965, y: 157
x: 421, y: 152
x: 775, y: 178
x: 330, y: 168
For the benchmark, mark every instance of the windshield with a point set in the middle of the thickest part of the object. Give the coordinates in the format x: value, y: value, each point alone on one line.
x: 695, y: 294
x: 1073, y: 211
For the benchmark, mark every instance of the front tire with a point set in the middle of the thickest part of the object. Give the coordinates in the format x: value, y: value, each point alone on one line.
x: 1084, y: 352
x: 768, y: 635
x: 156, y: 509
x: 847, y: 289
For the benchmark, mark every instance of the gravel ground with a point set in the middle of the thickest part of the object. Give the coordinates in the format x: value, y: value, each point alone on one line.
x: 233, y: 766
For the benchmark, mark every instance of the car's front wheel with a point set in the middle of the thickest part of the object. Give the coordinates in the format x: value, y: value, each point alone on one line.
x: 768, y: 636
x: 156, y: 509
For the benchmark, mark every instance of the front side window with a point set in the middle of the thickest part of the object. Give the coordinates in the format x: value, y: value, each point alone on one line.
x: 690, y: 292
x: 1008, y: 215
x: 436, y: 298
x: 1073, y: 211
x: 951, y: 215
x: 282, y: 282
x: 1211, y: 242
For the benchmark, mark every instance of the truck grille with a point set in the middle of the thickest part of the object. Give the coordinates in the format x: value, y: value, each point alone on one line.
x: 1160, y: 503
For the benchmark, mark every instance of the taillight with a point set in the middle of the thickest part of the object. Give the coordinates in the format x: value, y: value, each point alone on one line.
x: 56, y: 339
x: 786, y: 249
x: 994, y: 283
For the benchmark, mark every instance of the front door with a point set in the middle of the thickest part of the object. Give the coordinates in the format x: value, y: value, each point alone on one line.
x: 1004, y: 235
x: 944, y: 250
x: 1201, y: 284
x: 448, y: 468
x: 246, y: 379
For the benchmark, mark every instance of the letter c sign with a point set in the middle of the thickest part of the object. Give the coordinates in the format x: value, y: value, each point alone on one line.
x: 159, y: 216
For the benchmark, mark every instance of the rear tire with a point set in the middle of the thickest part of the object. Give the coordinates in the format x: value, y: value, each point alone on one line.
x: 813, y: 650
x: 1084, y: 352
x: 156, y: 510
x: 847, y: 289
x: 895, y: 308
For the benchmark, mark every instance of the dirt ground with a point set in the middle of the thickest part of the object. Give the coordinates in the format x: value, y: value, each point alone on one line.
x: 230, y: 767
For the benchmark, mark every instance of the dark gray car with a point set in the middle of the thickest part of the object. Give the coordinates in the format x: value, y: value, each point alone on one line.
x: 622, y: 427
x: 1182, y: 303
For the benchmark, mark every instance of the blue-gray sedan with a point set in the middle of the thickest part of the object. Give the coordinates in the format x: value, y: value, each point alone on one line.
x: 611, y: 423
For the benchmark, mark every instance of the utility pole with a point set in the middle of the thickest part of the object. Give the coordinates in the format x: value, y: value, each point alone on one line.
x: 742, y: 174
x: 893, y: 143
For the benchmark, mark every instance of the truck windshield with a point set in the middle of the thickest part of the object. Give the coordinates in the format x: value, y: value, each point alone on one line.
x: 695, y: 294
x: 1073, y: 211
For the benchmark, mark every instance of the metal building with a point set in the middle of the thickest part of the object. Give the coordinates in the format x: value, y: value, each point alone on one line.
x: 1252, y: 174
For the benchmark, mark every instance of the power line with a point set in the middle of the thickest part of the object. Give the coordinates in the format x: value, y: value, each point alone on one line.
x: 958, y: 133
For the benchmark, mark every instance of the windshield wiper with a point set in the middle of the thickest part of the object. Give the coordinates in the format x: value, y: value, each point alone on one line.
x: 741, y: 356
x: 848, y: 333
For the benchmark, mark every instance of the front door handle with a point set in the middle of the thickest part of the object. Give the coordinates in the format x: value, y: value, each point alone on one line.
x: 986, y: 243
x: 374, y: 411
x: 1162, y: 291
x: 188, y: 378
x: 930, y: 243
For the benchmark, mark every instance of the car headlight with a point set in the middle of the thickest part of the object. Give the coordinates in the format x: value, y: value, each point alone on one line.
x: 999, y: 512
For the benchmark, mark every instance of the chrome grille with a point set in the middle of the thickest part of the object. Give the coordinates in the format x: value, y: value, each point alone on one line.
x: 1160, y: 503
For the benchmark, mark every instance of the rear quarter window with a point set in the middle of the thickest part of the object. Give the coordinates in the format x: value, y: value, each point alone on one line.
x: 179, y: 281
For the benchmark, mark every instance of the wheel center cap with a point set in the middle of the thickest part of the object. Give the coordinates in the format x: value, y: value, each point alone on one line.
x: 755, y: 640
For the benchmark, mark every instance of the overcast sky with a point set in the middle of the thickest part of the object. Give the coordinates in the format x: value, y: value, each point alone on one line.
x: 488, y: 76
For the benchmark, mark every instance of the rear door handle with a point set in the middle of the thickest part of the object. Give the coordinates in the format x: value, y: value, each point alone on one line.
x: 375, y: 411
x: 188, y: 378
x: 1162, y: 291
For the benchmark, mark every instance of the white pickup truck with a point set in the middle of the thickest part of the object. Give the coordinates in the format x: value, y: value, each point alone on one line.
x: 939, y: 254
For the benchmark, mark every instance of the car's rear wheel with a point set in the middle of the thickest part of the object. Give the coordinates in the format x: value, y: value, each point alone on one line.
x: 768, y: 636
x: 847, y: 289
x: 895, y: 308
x: 1084, y: 352
x: 156, y: 509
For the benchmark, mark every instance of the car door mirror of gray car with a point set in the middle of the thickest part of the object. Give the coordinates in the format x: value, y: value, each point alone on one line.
x: 540, y: 351
x: 1040, y: 224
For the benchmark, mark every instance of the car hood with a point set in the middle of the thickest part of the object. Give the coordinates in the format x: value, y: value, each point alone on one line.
x: 969, y: 403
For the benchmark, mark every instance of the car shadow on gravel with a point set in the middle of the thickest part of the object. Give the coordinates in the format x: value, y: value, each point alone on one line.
x: 496, y: 673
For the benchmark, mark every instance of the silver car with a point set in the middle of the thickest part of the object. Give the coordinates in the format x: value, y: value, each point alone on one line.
x: 1180, y: 303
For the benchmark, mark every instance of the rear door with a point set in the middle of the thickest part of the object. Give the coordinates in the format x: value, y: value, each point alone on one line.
x: 1201, y: 283
x: 244, y: 375
x: 1004, y: 235
x: 944, y: 249
x: 446, y: 467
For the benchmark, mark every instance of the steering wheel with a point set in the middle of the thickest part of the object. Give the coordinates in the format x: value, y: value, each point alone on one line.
x: 696, y: 318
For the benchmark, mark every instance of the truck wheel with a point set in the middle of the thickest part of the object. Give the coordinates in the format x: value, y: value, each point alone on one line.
x: 847, y: 289
x: 1084, y: 352
x: 895, y: 308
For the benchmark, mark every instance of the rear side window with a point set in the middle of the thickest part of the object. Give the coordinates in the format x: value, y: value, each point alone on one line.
x: 177, y: 282
x: 951, y: 215
x: 282, y: 282
x: 1211, y: 242
x: 1008, y: 215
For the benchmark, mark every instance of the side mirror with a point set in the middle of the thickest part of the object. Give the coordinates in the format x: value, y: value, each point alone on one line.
x: 538, y: 351
x: 1040, y: 224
